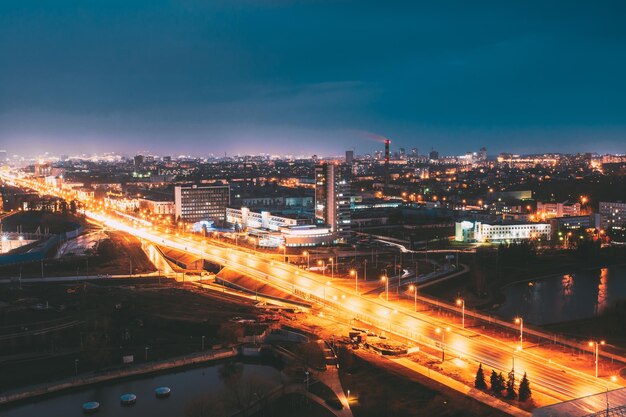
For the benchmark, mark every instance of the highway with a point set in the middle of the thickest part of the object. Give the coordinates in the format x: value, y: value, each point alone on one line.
x: 555, y: 380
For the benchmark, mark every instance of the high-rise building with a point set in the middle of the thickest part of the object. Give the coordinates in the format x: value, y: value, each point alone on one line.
x: 194, y: 203
x: 138, y: 160
x: 414, y: 153
x: 612, y: 214
x: 349, y: 157
x: 482, y: 154
x: 387, y: 143
x: 332, y: 198
x: 402, y: 153
x: 433, y: 155
x: 3, y: 156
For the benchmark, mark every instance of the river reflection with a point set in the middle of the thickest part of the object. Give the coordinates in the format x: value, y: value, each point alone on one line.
x: 185, y: 384
x: 568, y: 297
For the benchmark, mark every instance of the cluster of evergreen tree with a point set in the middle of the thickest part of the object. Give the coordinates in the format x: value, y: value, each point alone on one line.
x: 499, y: 384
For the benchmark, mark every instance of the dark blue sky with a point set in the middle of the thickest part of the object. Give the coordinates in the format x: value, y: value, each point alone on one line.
x: 303, y: 77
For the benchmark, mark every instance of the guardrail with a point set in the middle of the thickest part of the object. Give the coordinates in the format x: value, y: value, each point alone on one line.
x: 528, y: 329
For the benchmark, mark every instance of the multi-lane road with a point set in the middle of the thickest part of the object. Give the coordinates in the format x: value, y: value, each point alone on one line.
x: 556, y: 380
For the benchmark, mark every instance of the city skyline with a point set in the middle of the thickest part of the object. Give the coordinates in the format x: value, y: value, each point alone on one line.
x: 245, y: 78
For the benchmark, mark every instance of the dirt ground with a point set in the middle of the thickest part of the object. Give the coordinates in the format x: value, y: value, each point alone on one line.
x: 379, y: 388
x: 112, y: 257
x: 45, y: 328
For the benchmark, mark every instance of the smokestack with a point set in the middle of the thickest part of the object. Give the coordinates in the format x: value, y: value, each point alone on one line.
x: 387, y: 142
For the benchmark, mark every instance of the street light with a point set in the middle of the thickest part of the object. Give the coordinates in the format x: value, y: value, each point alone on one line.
x: 414, y: 289
x: 438, y: 330
x: 332, y: 265
x: 284, y: 248
x: 597, y: 344
x: 520, y: 321
x: 323, y: 265
x: 461, y: 302
x: 386, y: 281
x: 354, y: 273
x: 308, y: 259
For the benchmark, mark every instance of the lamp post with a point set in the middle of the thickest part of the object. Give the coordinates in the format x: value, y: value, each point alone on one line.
x: 146, y: 350
x: 202, y: 343
x: 308, y: 259
x: 461, y: 302
x: 355, y: 273
x: 440, y: 331
x: 520, y: 321
x: 284, y: 248
x: 414, y: 289
x: 597, y: 346
x: 386, y: 281
x: 332, y: 267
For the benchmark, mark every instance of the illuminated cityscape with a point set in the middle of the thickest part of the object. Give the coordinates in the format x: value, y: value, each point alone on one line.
x: 197, y: 218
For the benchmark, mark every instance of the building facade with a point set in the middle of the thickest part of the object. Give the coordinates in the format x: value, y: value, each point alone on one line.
x: 157, y: 206
x: 551, y: 210
x: 196, y: 203
x: 332, y: 199
x: 244, y: 218
x: 474, y: 231
x: 612, y: 214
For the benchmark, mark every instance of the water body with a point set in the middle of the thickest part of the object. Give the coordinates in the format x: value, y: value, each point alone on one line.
x: 185, y: 384
x: 566, y: 297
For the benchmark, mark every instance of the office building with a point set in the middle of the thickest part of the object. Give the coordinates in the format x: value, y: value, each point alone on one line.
x: 349, y: 157
x: 332, y: 199
x: 154, y: 206
x: 551, y: 210
x: 138, y: 160
x: 197, y: 203
x: 474, y: 231
x: 612, y: 214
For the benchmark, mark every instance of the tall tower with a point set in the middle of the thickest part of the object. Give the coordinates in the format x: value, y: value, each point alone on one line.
x: 332, y: 198
x: 387, y: 143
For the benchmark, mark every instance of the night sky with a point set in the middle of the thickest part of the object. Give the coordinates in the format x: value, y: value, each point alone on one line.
x: 302, y: 77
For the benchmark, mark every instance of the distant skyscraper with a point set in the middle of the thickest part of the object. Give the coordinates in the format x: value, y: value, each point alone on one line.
x: 3, y: 156
x: 194, y: 204
x: 332, y: 198
x: 387, y: 143
x: 434, y: 155
x: 167, y: 159
x: 482, y: 154
x: 349, y: 157
x: 138, y: 160
x: 414, y: 153
x: 402, y: 153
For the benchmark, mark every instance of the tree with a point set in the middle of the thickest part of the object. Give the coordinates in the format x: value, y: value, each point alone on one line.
x: 479, y: 382
x: 497, y: 383
x: 510, y: 386
x: 524, y: 389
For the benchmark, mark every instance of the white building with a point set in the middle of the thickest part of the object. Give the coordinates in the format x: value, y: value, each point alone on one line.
x: 474, y: 231
x: 273, y: 230
x: 244, y: 218
x: 156, y: 206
